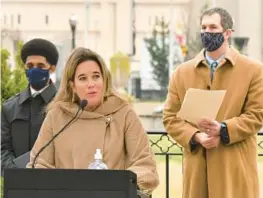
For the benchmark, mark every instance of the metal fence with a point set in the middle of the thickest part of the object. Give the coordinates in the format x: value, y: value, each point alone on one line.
x: 163, y: 145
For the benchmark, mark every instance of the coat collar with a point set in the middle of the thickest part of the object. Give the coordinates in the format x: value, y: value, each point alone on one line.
x: 46, y: 94
x: 24, y: 95
x: 231, y: 56
x: 49, y: 93
x: 111, y: 105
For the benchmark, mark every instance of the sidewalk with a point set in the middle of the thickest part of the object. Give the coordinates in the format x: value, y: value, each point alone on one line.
x: 145, y: 112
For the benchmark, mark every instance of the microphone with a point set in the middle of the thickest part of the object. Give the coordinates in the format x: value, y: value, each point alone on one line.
x: 82, y: 105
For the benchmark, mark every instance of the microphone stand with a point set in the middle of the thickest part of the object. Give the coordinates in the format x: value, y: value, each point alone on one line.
x: 82, y: 105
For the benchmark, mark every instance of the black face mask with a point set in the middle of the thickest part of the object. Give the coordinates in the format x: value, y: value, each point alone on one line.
x: 212, y: 41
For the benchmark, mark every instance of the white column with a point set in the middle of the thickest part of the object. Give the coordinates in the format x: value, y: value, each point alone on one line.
x: 86, y: 20
x: 213, y: 3
x: 106, y: 46
x: 123, y: 25
x: 171, y: 40
x: 250, y: 25
x: 131, y: 27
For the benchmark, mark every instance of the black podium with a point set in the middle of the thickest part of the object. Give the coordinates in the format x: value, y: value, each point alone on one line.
x: 65, y: 183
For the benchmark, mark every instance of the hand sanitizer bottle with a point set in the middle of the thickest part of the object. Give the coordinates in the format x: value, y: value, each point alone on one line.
x: 98, y: 163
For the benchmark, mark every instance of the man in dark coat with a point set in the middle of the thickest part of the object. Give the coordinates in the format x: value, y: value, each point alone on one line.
x: 23, y: 114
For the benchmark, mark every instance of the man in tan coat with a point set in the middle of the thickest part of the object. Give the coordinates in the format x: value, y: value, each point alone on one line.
x: 220, y: 156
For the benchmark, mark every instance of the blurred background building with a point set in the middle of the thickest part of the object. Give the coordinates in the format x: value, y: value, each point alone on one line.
x: 109, y: 26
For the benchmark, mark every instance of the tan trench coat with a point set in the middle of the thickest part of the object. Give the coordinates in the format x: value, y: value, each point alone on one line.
x: 229, y: 171
x: 113, y: 127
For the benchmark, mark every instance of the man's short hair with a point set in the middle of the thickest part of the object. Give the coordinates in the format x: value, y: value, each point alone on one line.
x: 40, y: 47
x: 226, y: 18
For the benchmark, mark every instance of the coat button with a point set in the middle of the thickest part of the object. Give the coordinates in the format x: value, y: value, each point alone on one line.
x: 108, y: 119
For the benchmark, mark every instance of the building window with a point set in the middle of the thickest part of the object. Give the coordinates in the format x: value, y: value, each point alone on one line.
x: 150, y: 21
x: 19, y: 19
x: 5, y: 20
x: 46, y: 19
x: 12, y: 21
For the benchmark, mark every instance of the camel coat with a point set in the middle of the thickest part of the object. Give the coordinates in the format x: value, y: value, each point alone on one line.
x: 229, y: 171
x: 113, y: 127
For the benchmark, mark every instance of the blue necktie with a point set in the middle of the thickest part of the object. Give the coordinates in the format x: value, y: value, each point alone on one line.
x: 212, y: 70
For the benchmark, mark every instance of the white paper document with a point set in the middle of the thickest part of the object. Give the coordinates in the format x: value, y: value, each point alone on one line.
x: 199, y: 103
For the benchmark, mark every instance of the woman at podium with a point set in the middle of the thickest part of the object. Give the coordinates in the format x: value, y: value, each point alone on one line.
x: 88, y: 114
